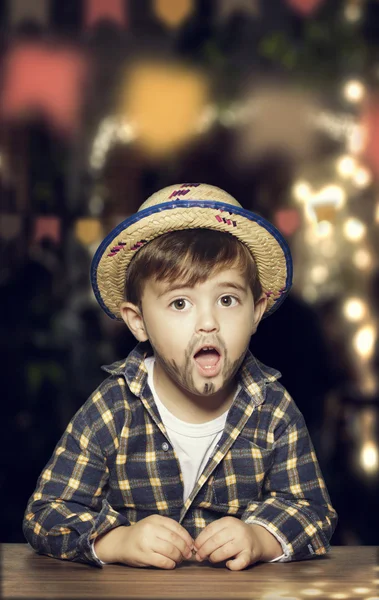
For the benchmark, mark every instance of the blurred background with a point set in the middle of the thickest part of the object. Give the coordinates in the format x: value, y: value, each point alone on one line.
x: 103, y: 102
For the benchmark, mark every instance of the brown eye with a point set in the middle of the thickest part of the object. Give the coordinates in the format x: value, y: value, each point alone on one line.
x: 226, y: 300
x: 179, y: 304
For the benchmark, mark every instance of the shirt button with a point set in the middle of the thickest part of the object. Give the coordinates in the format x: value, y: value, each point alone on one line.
x: 165, y: 446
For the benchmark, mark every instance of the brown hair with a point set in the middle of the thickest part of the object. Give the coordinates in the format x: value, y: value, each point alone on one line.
x: 191, y: 256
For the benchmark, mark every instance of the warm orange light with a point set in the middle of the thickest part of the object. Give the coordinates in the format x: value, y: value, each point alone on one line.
x: 88, y: 230
x: 173, y: 12
x: 163, y: 102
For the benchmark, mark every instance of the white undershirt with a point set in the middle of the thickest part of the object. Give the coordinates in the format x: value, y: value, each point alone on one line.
x: 193, y: 442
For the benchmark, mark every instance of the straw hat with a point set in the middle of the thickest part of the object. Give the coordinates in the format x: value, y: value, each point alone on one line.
x: 190, y: 206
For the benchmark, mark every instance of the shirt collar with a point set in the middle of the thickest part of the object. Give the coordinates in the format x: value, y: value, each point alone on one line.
x: 252, y: 372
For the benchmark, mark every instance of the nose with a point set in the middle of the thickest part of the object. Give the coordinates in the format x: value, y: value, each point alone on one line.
x: 206, y: 320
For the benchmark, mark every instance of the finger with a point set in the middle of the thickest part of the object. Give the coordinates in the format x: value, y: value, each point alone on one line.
x: 227, y: 550
x: 178, y: 529
x: 171, y: 537
x: 160, y: 561
x: 208, y: 532
x: 215, y: 543
x: 241, y: 561
x: 167, y: 549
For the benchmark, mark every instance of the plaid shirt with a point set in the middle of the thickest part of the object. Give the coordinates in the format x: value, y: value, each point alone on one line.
x: 114, y: 465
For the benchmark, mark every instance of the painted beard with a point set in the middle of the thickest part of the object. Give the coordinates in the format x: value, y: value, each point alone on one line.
x: 183, y: 375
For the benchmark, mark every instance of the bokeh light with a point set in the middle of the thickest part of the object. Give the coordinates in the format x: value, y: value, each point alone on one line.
x: 346, y: 166
x: 354, y: 309
x: 362, y: 259
x: 173, y: 12
x: 364, y: 341
x: 354, y: 229
x: 319, y: 273
x: 362, y: 177
x: 369, y: 456
x: 354, y: 91
x: 324, y: 229
x: 162, y: 121
x: 302, y: 191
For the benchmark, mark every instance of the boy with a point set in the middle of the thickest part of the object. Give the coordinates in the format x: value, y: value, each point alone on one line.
x: 191, y: 446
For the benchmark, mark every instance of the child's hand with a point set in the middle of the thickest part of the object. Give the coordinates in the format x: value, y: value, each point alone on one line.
x: 155, y: 541
x: 229, y: 537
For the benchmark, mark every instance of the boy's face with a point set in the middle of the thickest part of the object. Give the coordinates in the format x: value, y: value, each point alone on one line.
x: 217, y: 314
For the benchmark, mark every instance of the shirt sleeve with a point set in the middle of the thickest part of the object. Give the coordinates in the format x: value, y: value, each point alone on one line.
x: 68, y: 509
x: 295, y: 505
x: 95, y: 555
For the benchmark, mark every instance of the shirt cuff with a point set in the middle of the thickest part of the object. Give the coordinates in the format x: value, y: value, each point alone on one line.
x: 286, y: 556
x: 95, y: 555
x: 279, y: 559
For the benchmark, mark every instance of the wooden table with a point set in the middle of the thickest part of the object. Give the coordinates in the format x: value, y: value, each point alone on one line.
x: 348, y: 572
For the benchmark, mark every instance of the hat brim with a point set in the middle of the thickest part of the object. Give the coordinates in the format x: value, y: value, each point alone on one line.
x: 266, y: 244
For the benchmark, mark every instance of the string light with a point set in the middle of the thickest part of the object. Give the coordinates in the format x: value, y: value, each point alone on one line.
x: 324, y: 229
x: 319, y: 273
x: 362, y: 177
x: 364, y: 341
x: 369, y: 456
x: 354, y: 229
x: 354, y: 90
x: 110, y: 131
x: 302, y: 191
x: 339, y: 127
x: 354, y: 309
x: 353, y: 12
x: 346, y: 166
x: 322, y: 206
x: 330, y: 194
x: 356, y: 139
x: 207, y: 118
x: 362, y: 259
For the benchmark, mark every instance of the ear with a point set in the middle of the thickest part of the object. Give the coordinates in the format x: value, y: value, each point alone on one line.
x: 259, y: 309
x: 133, y: 318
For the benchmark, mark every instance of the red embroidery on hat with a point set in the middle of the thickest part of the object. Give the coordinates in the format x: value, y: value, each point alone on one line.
x: 226, y: 221
x: 281, y: 292
x: 117, y: 248
x: 178, y: 193
x: 190, y: 185
x: 138, y: 244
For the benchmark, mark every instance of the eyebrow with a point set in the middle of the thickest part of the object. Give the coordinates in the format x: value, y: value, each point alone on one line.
x: 222, y: 284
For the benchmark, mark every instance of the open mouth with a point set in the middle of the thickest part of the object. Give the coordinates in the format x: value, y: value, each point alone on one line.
x: 208, y: 360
